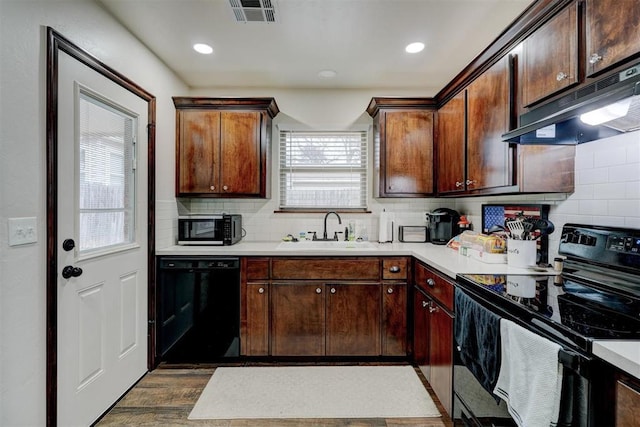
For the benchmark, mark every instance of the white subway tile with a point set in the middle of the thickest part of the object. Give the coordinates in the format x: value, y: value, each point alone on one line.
x: 609, y: 191
x: 592, y: 176
x: 593, y: 207
x: 628, y: 208
x: 610, y: 157
x: 623, y: 173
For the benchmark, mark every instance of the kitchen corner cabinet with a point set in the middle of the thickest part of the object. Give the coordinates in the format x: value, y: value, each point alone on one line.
x: 403, y: 146
x: 433, y: 331
x: 471, y: 156
x: 550, y: 57
x: 222, y: 146
x: 612, y: 33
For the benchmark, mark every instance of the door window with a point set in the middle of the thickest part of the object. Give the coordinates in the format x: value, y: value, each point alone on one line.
x: 106, y: 157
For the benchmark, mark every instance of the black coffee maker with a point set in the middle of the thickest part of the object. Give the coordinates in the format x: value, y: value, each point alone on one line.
x: 443, y: 225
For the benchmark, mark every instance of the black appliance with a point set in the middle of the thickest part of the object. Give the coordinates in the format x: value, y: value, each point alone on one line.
x: 597, y: 296
x: 219, y: 229
x: 443, y: 225
x: 198, y: 316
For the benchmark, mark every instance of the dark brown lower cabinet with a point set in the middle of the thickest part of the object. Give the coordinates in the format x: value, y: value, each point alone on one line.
x: 627, y: 404
x: 394, y: 319
x: 441, y: 355
x: 297, y: 319
x: 353, y: 319
x: 256, y: 343
x: 421, y: 325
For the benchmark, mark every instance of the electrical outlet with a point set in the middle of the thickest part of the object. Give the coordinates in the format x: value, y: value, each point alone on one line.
x: 22, y: 231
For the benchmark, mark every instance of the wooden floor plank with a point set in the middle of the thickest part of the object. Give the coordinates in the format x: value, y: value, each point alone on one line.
x: 166, y: 396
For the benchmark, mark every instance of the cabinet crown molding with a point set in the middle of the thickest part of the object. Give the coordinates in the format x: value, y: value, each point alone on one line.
x: 223, y: 103
x: 378, y: 103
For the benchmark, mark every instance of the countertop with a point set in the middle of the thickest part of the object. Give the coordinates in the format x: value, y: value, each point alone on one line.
x: 443, y: 259
x: 624, y: 355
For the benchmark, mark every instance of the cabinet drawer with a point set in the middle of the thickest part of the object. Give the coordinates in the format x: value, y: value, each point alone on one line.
x: 257, y: 268
x: 394, y: 268
x: 435, y: 285
x: 326, y: 268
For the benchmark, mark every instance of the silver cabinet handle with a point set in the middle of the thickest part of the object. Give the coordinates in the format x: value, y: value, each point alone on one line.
x: 333, y: 290
x: 471, y: 181
x: 261, y: 291
x: 432, y: 309
x: 561, y: 76
x: 225, y: 188
x: 424, y: 304
x: 390, y: 290
x: 459, y: 184
x: 431, y: 282
x: 595, y: 58
x: 318, y: 290
x: 394, y: 269
x: 212, y: 188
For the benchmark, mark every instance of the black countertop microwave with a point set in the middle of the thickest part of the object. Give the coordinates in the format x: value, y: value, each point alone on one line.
x: 218, y: 229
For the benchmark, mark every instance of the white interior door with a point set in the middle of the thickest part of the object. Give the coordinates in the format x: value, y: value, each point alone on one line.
x: 102, y: 209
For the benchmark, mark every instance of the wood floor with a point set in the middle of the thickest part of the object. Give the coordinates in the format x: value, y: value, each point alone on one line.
x: 165, y: 397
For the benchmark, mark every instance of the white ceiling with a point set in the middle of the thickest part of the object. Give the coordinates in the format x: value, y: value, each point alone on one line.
x: 362, y: 40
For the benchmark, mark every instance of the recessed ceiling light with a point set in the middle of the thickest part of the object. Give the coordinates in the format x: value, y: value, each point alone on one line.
x: 202, y: 48
x: 414, y: 47
x: 327, y: 74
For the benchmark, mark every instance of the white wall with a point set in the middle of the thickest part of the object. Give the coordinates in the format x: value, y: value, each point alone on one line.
x: 22, y: 172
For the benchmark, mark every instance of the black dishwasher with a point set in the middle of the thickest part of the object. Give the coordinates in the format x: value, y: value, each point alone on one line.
x: 198, y: 317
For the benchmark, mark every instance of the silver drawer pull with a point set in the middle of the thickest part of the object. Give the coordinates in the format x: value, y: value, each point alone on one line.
x: 261, y: 291
x: 394, y: 269
x: 390, y: 290
x: 431, y: 282
x: 318, y: 290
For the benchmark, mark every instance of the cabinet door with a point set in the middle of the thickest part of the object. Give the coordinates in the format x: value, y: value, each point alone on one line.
x: 198, y: 151
x: 627, y: 404
x: 353, y: 319
x: 441, y: 355
x: 421, y: 323
x: 394, y: 319
x: 256, y: 342
x: 612, y: 33
x: 488, y: 157
x: 298, y: 319
x: 450, y: 145
x: 550, y: 58
x: 240, y: 165
x: 408, y: 152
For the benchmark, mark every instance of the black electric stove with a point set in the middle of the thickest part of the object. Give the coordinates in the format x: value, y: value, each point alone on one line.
x: 596, y: 296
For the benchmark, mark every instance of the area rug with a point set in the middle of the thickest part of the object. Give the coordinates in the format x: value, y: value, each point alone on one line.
x: 314, y: 392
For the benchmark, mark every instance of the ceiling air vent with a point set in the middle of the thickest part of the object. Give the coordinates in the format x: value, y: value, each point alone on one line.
x: 254, y: 10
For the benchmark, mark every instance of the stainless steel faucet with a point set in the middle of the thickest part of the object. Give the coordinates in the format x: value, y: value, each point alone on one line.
x: 324, y: 233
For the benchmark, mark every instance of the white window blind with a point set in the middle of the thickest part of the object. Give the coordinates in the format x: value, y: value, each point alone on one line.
x: 107, y: 176
x: 322, y: 170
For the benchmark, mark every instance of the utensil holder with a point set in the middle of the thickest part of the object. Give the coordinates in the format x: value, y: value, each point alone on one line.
x: 521, y: 253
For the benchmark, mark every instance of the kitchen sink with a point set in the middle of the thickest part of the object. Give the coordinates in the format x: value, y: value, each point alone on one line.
x: 315, y: 245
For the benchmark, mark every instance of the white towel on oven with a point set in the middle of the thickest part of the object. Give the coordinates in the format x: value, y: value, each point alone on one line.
x: 530, y: 379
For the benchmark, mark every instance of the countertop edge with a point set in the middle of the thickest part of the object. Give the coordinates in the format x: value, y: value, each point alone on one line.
x: 624, y: 355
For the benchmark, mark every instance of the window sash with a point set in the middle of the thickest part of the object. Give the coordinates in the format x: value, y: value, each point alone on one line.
x: 323, y: 170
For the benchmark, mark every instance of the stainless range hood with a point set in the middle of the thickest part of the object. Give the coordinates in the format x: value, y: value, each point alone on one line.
x: 605, y: 108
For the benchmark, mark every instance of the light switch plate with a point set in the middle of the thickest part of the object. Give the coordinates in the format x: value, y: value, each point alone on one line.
x: 22, y: 231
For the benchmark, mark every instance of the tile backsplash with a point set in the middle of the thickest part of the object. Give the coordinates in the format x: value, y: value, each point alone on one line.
x: 607, y: 192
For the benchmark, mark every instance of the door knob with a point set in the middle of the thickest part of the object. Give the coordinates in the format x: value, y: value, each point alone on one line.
x: 68, y: 244
x: 71, y: 271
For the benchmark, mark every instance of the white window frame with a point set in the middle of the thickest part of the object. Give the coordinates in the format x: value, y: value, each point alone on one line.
x: 343, y: 172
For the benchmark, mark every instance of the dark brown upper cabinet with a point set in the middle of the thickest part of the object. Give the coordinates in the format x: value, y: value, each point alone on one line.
x: 403, y: 143
x: 222, y: 146
x: 471, y: 156
x: 550, y: 57
x: 451, y: 147
x: 612, y: 33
